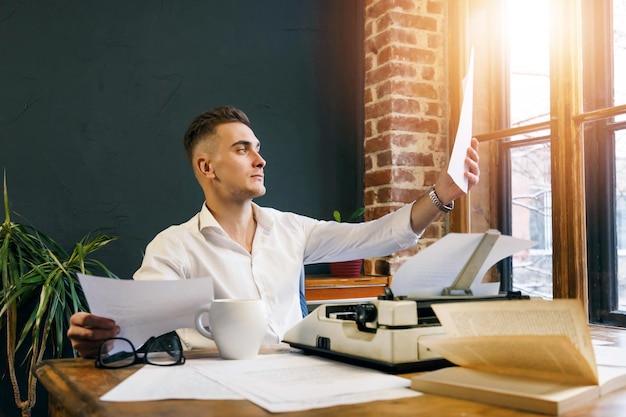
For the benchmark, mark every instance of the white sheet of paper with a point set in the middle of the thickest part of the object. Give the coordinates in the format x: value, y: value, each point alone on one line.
x: 463, y: 139
x: 436, y: 267
x: 152, y: 383
x: 610, y: 355
x: 292, y: 381
x: 147, y: 308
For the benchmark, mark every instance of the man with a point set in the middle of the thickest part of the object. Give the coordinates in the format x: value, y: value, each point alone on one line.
x: 257, y: 252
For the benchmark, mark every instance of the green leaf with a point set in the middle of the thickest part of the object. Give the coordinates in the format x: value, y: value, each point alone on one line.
x: 355, y: 215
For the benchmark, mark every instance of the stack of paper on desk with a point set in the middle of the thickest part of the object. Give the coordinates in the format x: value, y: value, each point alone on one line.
x: 533, y: 355
x: 278, y: 383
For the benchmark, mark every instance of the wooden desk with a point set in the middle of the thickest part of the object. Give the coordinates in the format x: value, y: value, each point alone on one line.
x: 75, y: 385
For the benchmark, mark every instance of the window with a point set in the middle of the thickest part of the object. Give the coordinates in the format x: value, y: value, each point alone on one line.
x: 550, y: 112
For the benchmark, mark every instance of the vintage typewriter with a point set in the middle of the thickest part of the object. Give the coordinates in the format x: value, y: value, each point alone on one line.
x: 386, y: 333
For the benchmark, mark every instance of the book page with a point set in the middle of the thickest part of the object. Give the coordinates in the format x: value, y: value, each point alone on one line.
x: 546, y: 357
x: 521, y: 318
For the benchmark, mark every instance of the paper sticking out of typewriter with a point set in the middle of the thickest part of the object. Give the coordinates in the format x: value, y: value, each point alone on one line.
x: 455, y: 265
x: 388, y: 334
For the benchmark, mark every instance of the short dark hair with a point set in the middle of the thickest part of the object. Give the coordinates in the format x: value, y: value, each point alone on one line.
x: 205, y: 123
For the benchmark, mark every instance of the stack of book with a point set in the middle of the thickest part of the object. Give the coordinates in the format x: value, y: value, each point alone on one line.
x: 532, y: 355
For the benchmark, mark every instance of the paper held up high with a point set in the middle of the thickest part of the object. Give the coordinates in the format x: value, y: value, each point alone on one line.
x: 463, y: 138
x: 436, y: 267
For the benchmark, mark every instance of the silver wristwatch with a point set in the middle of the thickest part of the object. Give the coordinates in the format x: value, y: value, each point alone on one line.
x: 435, y: 199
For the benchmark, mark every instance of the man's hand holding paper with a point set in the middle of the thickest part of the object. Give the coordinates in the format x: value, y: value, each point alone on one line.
x: 147, y: 308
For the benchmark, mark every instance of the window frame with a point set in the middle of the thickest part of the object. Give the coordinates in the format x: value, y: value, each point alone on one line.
x: 577, y: 269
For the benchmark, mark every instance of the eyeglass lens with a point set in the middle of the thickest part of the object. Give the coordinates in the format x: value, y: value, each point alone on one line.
x: 163, y: 350
x: 117, y: 353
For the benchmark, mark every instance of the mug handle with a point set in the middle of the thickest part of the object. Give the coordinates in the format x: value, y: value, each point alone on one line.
x: 204, y: 331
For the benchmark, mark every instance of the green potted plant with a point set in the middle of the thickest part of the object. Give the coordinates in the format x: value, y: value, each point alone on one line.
x: 40, y: 289
x: 352, y: 268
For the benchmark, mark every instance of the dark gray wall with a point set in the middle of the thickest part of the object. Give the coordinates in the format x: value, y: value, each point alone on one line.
x: 95, y: 97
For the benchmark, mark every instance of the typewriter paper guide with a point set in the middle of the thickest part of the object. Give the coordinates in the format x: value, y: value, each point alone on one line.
x: 435, y: 267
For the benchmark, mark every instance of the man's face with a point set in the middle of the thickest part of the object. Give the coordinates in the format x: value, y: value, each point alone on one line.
x: 236, y: 162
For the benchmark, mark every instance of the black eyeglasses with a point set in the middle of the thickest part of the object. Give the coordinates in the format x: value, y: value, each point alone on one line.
x: 118, y: 352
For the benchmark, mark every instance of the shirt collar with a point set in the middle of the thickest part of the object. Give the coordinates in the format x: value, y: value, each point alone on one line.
x: 206, y: 220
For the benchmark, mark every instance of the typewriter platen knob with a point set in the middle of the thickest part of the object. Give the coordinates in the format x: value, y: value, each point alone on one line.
x: 366, y: 313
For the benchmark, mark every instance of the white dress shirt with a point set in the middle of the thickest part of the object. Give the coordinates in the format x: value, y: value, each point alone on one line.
x: 283, y: 242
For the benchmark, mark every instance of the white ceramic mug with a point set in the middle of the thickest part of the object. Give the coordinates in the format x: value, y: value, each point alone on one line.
x: 237, y: 326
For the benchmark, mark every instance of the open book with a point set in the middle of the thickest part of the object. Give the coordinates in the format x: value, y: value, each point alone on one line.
x: 532, y: 355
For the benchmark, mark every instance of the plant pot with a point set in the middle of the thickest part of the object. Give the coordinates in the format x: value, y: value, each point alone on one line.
x: 346, y: 269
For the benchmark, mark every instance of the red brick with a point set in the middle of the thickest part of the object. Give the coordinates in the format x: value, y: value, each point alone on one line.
x: 405, y: 53
x: 380, y: 211
x: 379, y: 177
x: 404, y: 35
x: 404, y: 195
x: 382, y: 7
x: 430, y: 177
x: 436, y: 7
x: 393, y: 35
x: 401, y: 175
x: 406, y: 20
x: 406, y: 106
x: 409, y: 124
x: 384, y: 195
x: 413, y: 159
x: 384, y: 159
x: 378, y: 109
x: 390, y: 105
x: 406, y: 159
x: 389, y: 70
x: 414, y: 89
x: 369, y: 198
x: 435, y: 40
x: 428, y: 73
x: 403, y: 140
x: 432, y: 109
x: 377, y: 144
x: 383, y: 89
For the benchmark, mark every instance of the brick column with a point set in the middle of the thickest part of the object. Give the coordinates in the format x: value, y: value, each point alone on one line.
x: 406, y: 102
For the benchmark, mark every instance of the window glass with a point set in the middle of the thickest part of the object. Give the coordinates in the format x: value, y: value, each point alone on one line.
x: 529, y: 103
x: 529, y: 34
x: 531, y: 216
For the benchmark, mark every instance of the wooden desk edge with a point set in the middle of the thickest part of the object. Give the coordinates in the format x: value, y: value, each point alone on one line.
x: 75, y: 386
